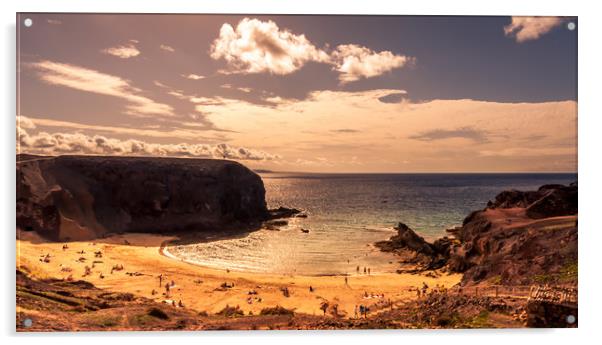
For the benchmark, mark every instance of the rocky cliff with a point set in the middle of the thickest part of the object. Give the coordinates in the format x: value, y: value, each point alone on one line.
x: 520, y: 238
x: 82, y: 197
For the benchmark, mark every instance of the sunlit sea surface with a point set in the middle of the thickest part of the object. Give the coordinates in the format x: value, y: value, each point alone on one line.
x: 347, y: 213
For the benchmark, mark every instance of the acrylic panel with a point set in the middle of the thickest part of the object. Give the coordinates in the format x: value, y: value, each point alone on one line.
x: 260, y: 172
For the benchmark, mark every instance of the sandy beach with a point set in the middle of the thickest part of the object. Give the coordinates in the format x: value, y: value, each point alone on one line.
x: 200, y: 288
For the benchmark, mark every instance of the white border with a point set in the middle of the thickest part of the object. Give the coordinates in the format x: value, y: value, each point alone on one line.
x: 589, y: 163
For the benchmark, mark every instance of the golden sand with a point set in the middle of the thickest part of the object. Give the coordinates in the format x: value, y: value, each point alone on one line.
x: 199, y: 288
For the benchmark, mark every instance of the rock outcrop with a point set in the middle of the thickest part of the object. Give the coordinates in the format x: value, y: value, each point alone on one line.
x: 520, y: 238
x: 82, y: 197
x: 548, y: 201
x: 421, y: 252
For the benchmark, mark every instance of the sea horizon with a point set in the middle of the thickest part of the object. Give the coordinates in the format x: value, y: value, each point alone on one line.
x: 348, y: 213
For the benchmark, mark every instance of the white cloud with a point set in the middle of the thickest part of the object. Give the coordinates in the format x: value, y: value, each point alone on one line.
x: 78, y: 143
x: 167, y: 48
x: 193, y: 76
x: 89, y: 80
x: 531, y: 28
x: 232, y: 87
x: 153, y: 132
x: 355, y: 62
x: 124, y: 51
x: 436, y: 135
x: 256, y: 46
x: 24, y: 122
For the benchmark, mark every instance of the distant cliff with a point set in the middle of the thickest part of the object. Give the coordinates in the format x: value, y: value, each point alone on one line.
x: 82, y: 197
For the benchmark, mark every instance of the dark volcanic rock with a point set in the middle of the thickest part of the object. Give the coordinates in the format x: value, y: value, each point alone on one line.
x: 74, y: 197
x: 515, y: 242
x: 550, y: 200
x: 429, y: 256
x: 513, y: 198
x: 555, y: 201
x: 521, y: 238
x: 283, y: 212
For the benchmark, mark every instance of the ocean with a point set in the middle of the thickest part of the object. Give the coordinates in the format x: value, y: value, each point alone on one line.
x: 347, y: 213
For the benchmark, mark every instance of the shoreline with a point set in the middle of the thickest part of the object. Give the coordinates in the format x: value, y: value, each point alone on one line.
x: 186, y: 239
x: 201, y: 288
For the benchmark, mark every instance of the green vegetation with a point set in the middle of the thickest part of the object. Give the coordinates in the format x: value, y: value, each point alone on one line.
x: 143, y: 320
x: 230, y: 311
x: 497, y: 280
x: 480, y: 321
x: 569, y: 271
x: 50, y: 296
x: 277, y: 310
x: 544, y: 278
x: 158, y: 313
x: 104, y: 321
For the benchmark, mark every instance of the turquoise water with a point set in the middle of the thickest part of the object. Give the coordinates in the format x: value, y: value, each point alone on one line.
x: 347, y: 213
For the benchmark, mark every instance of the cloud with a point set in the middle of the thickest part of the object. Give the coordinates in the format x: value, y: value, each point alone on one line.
x: 25, y: 122
x: 256, y: 46
x: 344, y: 130
x: 193, y: 76
x: 78, y: 143
x: 231, y: 87
x: 531, y: 28
x: 528, y: 152
x: 124, y: 51
x: 396, y: 97
x: 207, y: 133
x: 355, y: 62
x: 463, y: 133
x: 89, y: 80
x: 435, y: 135
x: 167, y: 48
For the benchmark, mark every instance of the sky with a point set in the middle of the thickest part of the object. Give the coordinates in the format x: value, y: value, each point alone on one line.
x: 303, y: 93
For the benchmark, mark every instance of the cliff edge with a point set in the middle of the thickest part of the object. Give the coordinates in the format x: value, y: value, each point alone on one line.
x: 84, y: 197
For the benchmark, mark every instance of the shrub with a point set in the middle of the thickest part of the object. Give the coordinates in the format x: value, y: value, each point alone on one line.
x: 158, y: 313
x: 230, y: 311
x: 277, y: 310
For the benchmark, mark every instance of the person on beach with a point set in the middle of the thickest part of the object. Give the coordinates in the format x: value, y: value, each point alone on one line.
x: 346, y: 282
x: 160, y: 279
x: 368, y: 270
x: 357, y: 269
x: 355, y: 311
x: 364, y: 270
x: 311, y: 289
